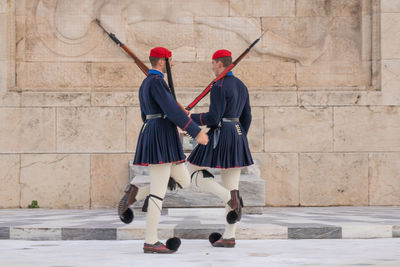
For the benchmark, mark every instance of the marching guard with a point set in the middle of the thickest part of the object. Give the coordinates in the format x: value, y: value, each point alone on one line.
x: 159, y: 148
x: 229, y: 119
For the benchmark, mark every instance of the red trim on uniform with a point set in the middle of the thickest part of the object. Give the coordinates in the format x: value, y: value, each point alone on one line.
x: 218, y: 167
x: 184, y: 128
x: 147, y: 164
x: 222, y: 81
x: 201, y: 121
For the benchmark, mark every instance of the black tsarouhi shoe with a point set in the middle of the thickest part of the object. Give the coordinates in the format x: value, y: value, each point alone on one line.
x: 216, y: 240
x: 236, y: 203
x: 171, y: 246
x: 124, y: 212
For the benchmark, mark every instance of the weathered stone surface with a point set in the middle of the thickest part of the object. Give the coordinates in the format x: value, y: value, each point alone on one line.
x: 265, y: 8
x: 186, y: 96
x: 115, y: 99
x: 390, y: 40
x: 271, y: 99
x: 9, y: 99
x: 280, y: 172
x: 50, y: 99
x: 192, y: 74
x: 134, y: 124
x: 3, y: 6
x: 212, y: 33
x: 384, y: 186
x: 27, y: 130
x: 20, y: 26
x: 336, y: 53
x: 91, y: 130
x: 298, y: 129
x: 109, y: 176
x: 263, y: 74
x: 52, y: 76
x: 182, y: 45
x: 390, y: 6
x: 328, y: 75
x: 55, y: 181
x: 3, y: 76
x: 390, y: 82
x: 324, y: 41
x: 256, y: 131
x: 299, y: 32
x: 337, y: 8
x: 3, y: 34
x: 20, y: 7
x: 366, y: 128
x: 9, y: 180
x: 316, y: 98
x: 190, y: 8
x: 124, y: 76
x: 333, y: 179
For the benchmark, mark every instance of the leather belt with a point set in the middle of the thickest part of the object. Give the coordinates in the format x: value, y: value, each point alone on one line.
x: 155, y: 116
x: 230, y: 119
x: 217, y: 130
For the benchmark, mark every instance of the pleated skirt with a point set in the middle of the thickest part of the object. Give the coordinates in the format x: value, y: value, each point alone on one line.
x: 158, y: 143
x: 232, y: 150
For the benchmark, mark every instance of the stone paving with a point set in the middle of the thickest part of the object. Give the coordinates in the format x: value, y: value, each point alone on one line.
x: 266, y: 253
x: 271, y: 223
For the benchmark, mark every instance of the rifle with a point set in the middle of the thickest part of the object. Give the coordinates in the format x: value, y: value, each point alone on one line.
x: 222, y: 75
x: 169, y: 76
x: 140, y: 64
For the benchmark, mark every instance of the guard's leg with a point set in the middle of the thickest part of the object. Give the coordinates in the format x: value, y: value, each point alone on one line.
x: 180, y: 173
x: 205, y: 180
x: 159, y: 175
x: 230, y: 179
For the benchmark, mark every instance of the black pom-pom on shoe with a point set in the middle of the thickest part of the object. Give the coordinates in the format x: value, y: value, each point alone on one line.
x: 127, y: 216
x: 214, y: 237
x: 232, y: 217
x: 173, y: 243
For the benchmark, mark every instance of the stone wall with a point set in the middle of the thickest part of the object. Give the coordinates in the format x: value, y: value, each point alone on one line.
x: 324, y: 86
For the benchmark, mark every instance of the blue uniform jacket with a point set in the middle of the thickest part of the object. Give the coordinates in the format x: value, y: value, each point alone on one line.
x: 228, y: 146
x: 158, y: 140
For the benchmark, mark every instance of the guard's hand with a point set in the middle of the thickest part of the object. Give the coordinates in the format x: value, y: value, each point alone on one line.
x: 202, y: 138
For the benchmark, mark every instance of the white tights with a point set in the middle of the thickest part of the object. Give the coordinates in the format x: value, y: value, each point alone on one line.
x: 230, y: 180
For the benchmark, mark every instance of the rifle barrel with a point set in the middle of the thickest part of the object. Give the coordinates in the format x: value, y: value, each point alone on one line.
x: 222, y: 75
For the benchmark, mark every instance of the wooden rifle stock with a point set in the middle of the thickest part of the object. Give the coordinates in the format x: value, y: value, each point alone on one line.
x: 138, y: 62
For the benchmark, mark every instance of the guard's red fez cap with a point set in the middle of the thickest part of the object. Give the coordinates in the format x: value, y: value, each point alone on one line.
x: 222, y: 53
x: 160, y: 52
